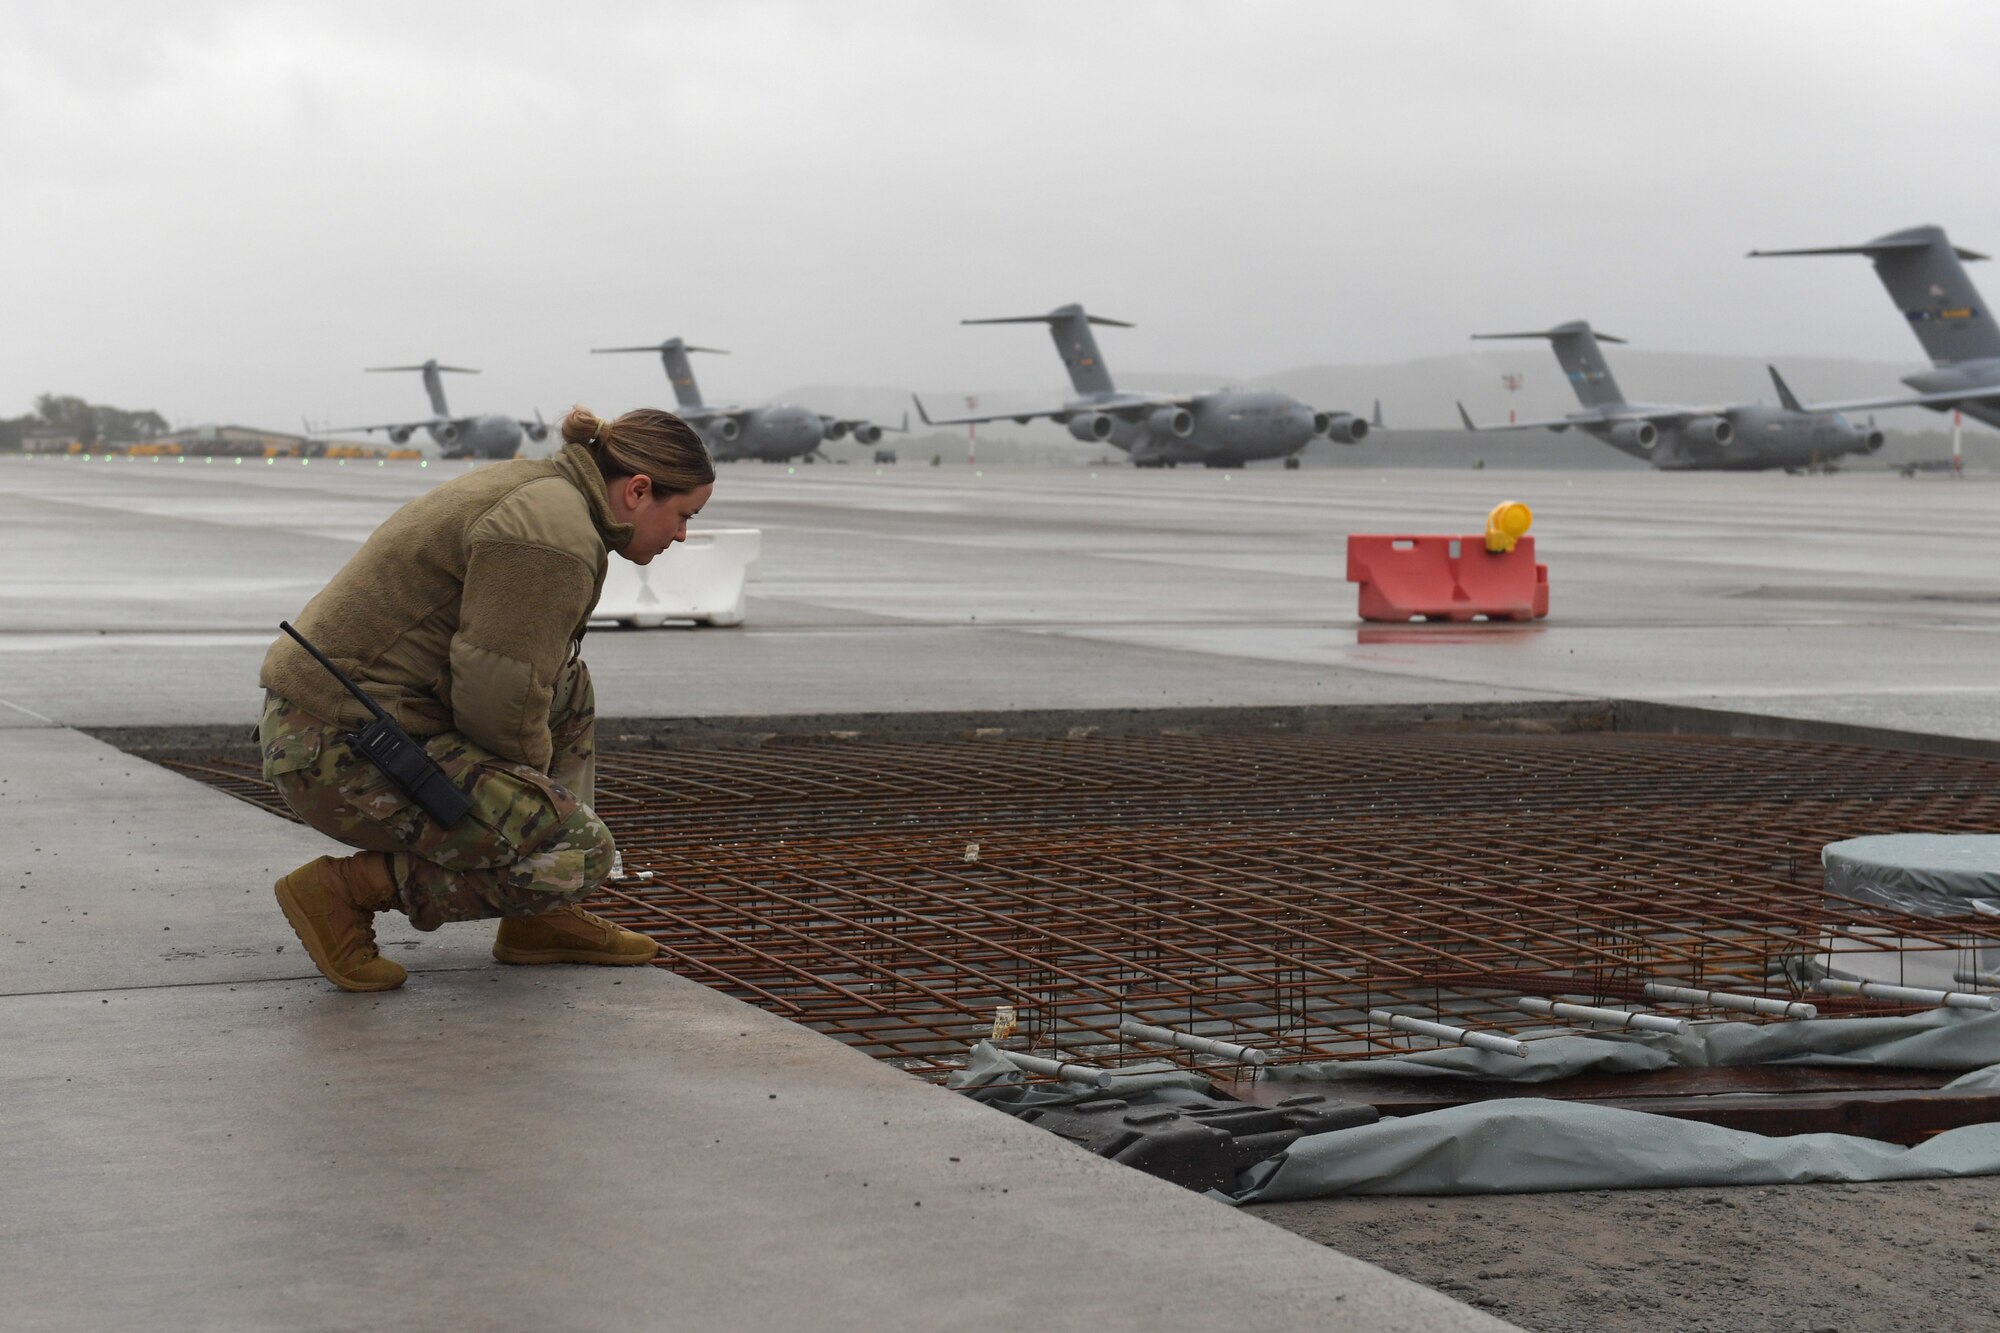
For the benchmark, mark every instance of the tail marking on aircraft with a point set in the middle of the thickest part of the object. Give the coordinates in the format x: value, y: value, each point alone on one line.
x: 673, y: 355
x: 1069, y: 326
x: 1576, y: 347
x: 1921, y: 269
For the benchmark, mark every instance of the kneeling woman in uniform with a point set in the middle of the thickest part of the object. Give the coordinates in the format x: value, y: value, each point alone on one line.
x: 462, y: 616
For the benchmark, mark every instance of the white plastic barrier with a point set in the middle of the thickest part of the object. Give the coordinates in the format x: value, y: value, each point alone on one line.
x: 700, y: 579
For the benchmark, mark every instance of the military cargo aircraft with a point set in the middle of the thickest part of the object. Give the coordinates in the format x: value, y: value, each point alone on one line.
x: 1741, y: 437
x: 773, y: 433
x: 1920, y: 268
x: 1222, y: 428
x: 456, y: 436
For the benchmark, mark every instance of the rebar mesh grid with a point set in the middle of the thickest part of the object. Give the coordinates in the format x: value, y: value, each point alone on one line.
x: 1266, y: 890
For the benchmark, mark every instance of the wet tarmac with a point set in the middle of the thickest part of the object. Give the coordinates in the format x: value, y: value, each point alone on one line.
x: 134, y: 592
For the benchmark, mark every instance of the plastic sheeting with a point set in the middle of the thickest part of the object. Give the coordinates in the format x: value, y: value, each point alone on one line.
x: 1532, y: 1145
x: 1921, y: 874
x: 1940, y: 1039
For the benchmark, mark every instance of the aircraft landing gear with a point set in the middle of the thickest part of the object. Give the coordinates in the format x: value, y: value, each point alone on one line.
x: 1291, y: 465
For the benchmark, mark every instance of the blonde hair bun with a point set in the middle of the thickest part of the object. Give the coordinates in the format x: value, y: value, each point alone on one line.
x: 643, y: 442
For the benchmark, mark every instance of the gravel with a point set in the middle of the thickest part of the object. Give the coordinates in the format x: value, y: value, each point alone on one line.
x: 1911, y: 1254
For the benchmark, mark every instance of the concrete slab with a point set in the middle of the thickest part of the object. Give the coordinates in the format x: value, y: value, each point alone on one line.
x: 566, y: 1150
x: 119, y: 875
x: 196, y: 1142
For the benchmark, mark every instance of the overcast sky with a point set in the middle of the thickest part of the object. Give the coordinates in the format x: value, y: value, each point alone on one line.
x: 225, y: 210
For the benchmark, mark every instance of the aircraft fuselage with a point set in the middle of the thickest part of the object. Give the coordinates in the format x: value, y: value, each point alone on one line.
x: 1227, y: 428
x: 771, y: 434
x: 1760, y: 437
x: 476, y: 437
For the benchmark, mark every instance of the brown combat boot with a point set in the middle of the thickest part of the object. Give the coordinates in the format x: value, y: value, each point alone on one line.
x: 331, y: 903
x: 569, y: 935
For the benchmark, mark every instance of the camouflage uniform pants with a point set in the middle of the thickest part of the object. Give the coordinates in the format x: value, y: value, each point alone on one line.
x: 530, y: 844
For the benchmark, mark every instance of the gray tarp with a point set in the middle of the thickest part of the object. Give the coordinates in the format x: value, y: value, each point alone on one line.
x: 1922, y: 874
x: 1529, y: 1145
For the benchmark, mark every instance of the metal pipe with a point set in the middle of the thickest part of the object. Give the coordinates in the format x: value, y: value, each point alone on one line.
x: 1088, y: 1075
x: 1722, y: 999
x: 1590, y: 1013
x: 1188, y: 1041
x: 1484, y: 1041
x: 1877, y: 990
x: 1977, y: 978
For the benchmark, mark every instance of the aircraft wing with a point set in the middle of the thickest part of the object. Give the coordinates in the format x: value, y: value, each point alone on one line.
x: 1947, y: 398
x: 1660, y: 416
x: 924, y: 415
x: 845, y: 424
x: 1127, y: 407
x: 1554, y: 423
x: 411, y: 426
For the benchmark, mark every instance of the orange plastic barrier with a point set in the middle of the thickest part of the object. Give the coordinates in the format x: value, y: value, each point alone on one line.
x: 1446, y: 578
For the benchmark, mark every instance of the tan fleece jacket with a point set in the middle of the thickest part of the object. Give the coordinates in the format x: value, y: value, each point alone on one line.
x: 459, y: 611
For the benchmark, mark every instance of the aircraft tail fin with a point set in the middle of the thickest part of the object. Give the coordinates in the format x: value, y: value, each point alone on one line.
x: 674, y: 356
x: 1576, y: 347
x: 1786, y: 398
x: 1069, y: 326
x: 433, y: 385
x: 1925, y: 277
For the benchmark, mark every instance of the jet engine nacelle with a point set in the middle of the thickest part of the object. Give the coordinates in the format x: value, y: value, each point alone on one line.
x: 1091, y: 427
x: 537, y: 432
x: 837, y: 430
x: 1342, y: 427
x: 1175, y: 421
x: 401, y: 436
x: 445, y: 433
x: 867, y: 433
x: 726, y: 429
x: 1635, y: 435
x: 1713, y: 432
x: 1872, y: 441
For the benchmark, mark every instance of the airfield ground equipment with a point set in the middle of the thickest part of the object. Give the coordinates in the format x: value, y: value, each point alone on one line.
x: 1430, y: 576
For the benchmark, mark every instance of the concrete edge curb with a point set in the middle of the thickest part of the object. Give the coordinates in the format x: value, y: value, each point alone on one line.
x: 1546, y: 717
